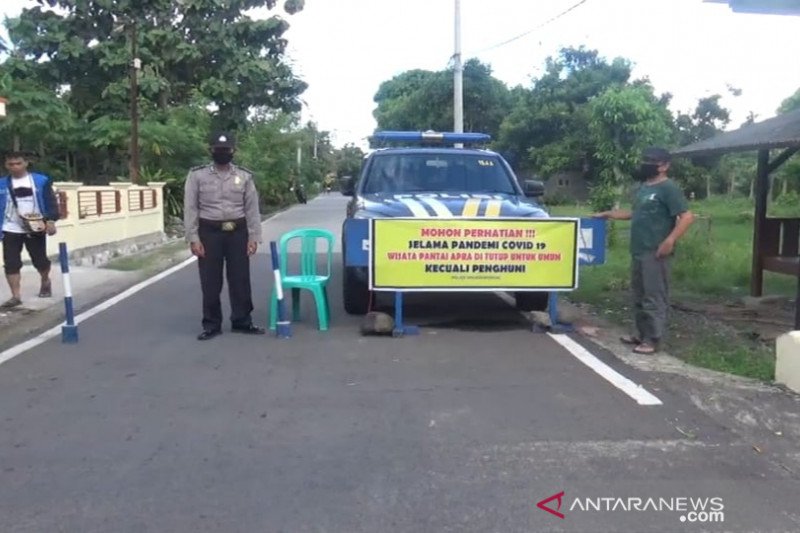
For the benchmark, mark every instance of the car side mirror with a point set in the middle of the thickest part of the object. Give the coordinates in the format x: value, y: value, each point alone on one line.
x: 534, y: 188
x: 347, y: 185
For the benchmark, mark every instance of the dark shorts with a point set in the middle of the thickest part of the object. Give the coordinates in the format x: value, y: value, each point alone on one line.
x: 12, y: 251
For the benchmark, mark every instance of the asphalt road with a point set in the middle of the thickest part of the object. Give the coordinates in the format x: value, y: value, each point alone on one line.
x: 467, y: 426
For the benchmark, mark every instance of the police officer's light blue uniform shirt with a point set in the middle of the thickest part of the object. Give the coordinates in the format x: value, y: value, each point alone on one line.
x: 221, y: 196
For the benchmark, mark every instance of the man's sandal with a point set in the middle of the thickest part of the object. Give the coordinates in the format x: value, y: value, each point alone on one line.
x: 645, y: 348
x: 630, y: 339
x: 46, y: 290
x: 11, y: 303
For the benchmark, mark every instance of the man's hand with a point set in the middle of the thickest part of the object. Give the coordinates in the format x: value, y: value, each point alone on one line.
x: 50, y: 227
x: 685, y: 220
x: 198, y: 249
x: 614, y: 214
x: 252, y: 246
x: 665, y: 248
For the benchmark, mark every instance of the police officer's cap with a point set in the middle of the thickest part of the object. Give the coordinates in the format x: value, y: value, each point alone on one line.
x: 222, y: 139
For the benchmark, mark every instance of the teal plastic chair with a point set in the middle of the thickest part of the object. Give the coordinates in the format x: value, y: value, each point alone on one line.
x: 308, y: 278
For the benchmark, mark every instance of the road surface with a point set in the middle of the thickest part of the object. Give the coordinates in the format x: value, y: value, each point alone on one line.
x: 467, y: 426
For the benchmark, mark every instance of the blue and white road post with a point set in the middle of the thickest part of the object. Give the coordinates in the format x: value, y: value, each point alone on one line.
x: 591, y: 251
x: 69, y: 331
x: 283, y: 327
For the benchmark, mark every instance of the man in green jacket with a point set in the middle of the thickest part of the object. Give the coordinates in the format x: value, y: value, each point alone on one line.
x: 660, y: 216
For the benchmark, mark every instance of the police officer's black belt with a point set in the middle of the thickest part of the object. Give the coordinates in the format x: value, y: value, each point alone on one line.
x: 223, y: 225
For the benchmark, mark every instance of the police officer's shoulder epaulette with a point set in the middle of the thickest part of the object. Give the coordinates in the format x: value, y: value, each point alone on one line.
x: 245, y: 169
x: 198, y: 167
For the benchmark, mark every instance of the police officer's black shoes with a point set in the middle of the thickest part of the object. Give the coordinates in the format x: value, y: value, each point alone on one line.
x: 208, y: 334
x: 250, y: 328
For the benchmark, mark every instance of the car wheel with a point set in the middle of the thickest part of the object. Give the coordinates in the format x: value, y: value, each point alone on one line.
x: 531, y: 301
x: 355, y: 293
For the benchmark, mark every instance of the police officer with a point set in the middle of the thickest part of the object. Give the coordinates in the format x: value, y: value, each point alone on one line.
x: 223, y: 226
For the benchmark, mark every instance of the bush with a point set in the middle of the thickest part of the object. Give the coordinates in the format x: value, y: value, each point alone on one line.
x: 602, y: 197
x: 691, y: 257
x: 173, y: 196
x: 703, y: 267
x: 787, y: 205
x: 557, y: 198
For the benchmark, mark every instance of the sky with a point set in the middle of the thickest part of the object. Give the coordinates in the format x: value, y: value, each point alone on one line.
x: 344, y: 49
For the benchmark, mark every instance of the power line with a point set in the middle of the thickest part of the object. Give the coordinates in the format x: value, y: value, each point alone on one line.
x: 521, y: 35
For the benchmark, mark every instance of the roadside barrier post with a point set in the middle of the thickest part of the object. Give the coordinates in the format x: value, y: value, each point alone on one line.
x: 557, y: 326
x: 69, y: 331
x: 400, y: 328
x: 283, y: 327
x: 591, y: 249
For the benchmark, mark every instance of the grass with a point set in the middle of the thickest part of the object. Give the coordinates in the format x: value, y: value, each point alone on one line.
x: 149, y: 260
x: 712, y: 265
x: 161, y: 256
x: 720, y: 354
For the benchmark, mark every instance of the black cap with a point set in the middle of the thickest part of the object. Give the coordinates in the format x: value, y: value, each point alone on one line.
x: 222, y: 139
x: 656, y: 154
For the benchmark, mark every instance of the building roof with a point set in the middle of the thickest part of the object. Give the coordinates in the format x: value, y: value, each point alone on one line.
x: 782, y: 131
x: 764, y: 7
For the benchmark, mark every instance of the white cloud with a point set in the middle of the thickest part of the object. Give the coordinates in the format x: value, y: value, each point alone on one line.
x: 686, y: 47
x: 344, y: 49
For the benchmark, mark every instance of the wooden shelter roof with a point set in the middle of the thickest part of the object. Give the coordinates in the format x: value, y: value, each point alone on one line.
x: 782, y: 131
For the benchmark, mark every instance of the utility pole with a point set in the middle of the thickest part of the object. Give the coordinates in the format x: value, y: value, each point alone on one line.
x: 315, y: 144
x: 458, y: 89
x: 299, y: 156
x: 134, y: 80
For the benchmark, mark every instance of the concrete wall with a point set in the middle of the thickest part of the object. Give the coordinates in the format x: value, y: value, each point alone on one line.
x: 105, y: 216
x: 570, y: 185
x: 787, y: 363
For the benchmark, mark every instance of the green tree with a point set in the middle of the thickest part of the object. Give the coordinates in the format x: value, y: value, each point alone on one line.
x: 737, y: 170
x: 788, y: 174
x: 708, y: 119
x: 422, y: 100
x: 790, y: 104
x: 624, y: 121
x: 36, y: 117
x: 268, y: 147
x: 545, y: 131
x: 184, y: 45
x: 191, y: 51
x: 348, y: 160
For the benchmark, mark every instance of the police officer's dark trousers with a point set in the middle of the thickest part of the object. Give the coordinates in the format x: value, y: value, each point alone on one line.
x: 228, y: 250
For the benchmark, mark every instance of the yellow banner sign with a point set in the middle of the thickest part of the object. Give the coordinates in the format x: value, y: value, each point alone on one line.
x: 473, y: 254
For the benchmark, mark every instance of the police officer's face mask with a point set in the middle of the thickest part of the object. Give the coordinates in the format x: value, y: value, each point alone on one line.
x: 222, y: 158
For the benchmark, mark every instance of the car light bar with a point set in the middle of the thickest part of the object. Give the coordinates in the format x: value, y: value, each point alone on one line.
x: 447, y: 137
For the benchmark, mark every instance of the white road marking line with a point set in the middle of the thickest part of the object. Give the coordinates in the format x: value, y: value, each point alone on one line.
x: 637, y: 392
x: 23, y: 347
x: 55, y: 331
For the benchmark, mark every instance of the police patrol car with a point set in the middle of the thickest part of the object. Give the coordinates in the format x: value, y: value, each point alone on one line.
x: 429, y: 178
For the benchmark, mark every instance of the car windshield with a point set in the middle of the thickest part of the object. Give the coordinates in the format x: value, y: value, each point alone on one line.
x: 420, y: 172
